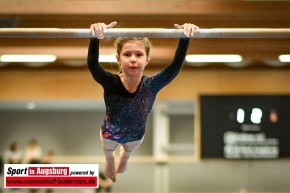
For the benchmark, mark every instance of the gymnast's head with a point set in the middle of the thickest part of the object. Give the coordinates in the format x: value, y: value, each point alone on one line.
x: 121, y: 41
x: 133, y: 50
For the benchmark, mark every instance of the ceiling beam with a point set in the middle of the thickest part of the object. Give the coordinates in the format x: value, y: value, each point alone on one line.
x: 100, y: 7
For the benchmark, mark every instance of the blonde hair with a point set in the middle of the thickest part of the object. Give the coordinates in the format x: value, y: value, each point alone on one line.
x: 120, y: 42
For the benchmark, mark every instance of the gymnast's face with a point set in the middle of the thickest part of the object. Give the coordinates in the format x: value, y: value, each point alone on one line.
x: 133, y: 58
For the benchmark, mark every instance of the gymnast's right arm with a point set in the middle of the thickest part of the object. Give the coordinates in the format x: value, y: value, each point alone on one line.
x: 97, y: 71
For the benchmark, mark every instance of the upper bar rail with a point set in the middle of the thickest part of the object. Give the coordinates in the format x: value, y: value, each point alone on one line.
x: 145, y: 32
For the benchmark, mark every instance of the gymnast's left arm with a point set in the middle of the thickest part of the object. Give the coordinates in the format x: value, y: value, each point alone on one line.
x: 183, y: 45
x: 166, y: 75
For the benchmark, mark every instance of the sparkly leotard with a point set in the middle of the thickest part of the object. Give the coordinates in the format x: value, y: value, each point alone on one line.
x: 126, y: 113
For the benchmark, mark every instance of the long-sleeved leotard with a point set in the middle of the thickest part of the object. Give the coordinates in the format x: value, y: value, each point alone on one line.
x: 126, y: 113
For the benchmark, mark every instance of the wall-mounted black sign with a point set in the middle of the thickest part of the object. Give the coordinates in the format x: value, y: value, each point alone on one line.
x: 245, y: 126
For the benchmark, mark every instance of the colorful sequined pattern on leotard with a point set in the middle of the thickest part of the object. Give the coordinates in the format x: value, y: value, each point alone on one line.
x: 126, y: 113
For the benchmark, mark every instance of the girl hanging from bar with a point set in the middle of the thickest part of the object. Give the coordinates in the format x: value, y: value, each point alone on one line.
x: 129, y: 95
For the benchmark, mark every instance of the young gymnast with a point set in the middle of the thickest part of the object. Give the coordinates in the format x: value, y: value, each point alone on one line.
x: 129, y: 95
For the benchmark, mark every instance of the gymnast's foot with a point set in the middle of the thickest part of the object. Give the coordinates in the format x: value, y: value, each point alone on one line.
x: 110, y: 170
x: 124, y: 157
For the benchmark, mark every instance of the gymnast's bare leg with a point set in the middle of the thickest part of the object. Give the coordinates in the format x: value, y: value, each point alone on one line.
x: 109, y: 147
x: 125, y: 152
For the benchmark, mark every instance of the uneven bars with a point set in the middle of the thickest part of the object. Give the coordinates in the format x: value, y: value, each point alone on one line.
x: 145, y: 32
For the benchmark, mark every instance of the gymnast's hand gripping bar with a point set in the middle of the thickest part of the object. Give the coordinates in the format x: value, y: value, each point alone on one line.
x: 145, y: 32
